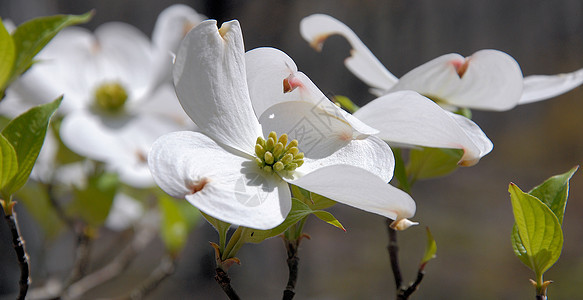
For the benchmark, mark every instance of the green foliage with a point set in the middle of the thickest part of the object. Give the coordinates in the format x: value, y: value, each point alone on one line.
x: 537, y: 238
x: 8, y: 163
x: 346, y: 103
x: 400, y: 172
x: 298, y: 211
x: 425, y: 163
x: 312, y: 200
x: 26, y: 134
x: 554, y: 192
x: 35, y: 198
x: 93, y: 202
x: 430, y: 249
x: 175, y: 224
x: 30, y: 37
x: 7, y: 54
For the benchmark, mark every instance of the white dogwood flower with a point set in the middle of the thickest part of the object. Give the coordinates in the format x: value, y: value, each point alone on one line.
x: 237, y: 169
x: 488, y: 79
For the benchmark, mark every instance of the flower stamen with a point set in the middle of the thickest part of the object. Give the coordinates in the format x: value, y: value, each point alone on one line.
x: 275, y: 154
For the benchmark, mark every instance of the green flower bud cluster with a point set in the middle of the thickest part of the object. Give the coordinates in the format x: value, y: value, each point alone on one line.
x: 110, y: 96
x: 277, y: 155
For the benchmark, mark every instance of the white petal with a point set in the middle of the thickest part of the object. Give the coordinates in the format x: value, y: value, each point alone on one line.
x: 492, y: 80
x: 371, y: 154
x: 358, y: 188
x: 163, y: 102
x: 319, y: 133
x: 124, y: 211
x: 316, y: 28
x: 122, y: 143
x: 542, y: 87
x: 408, y: 118
x: 224, y: 185
x: 209, y: 75
x: 173, y: 23
x: 125, y: 56
x: 273, y: 78
x: 171, y: 27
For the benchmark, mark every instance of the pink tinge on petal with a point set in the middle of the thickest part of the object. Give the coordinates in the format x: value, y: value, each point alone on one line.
x: 461, y: 66
x: 291, y: 83
x: 197, y: 186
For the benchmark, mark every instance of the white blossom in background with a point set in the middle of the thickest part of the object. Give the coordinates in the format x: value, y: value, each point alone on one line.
x: 403, y: 118
x: 237, y: 170
x: 488, y: 79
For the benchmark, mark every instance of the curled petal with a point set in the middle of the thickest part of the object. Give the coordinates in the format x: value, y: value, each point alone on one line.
x: 358, y: 188
x: 542, y: 87
x: 315, y: 29
x: 273, y: 78
x: 173, y: 23
x: 407, y: 118
x: 217, y: 181
x: 489, y: 80
x: 210, y: 81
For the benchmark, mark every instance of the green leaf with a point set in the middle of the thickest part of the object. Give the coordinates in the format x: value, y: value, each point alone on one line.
x: 298, y: 211
x: 554, y: 192
x: 427, y: 163
x: 174, y: 228
x: 31, y: 37
x: 400, y: 172
x: 221, y: 227
x: 36, y: 200
x: 430, y: 249
x: 92, y: 204
x: 27, y: 133
x: 8, y: 163
x: 346, y: 103
x: 7, y: 55
x: 539, y: 241
x: 312, y: 200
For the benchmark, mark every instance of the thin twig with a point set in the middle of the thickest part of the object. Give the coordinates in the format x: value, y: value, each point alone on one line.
x: 224, y: 281
x: 114, y: 268
x: 21, y: 255
x: 163, y: 271
x: 393, y: 248
x: 292, y: 264
x: 404, y: 294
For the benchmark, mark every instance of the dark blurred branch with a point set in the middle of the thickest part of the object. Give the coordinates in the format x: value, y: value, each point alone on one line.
x: 292, y: 263
x: 21, y: 255
x: 166, y: 268
x: 224, y: 281
x: 393, y: 248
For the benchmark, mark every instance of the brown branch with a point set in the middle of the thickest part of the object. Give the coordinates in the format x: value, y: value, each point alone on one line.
x: 292, y: 263
x: 393, y: 249
x: 224, y: 281
x: 166, y: 268
x: 21, y: 255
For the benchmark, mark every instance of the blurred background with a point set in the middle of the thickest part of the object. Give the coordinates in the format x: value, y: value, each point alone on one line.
x: 469, y: 211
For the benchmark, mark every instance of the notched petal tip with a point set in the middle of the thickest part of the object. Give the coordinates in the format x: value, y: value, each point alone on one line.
x: 197, y: 186
x: 224, y: 29
x: 461, y: 67
x: 402, y: 224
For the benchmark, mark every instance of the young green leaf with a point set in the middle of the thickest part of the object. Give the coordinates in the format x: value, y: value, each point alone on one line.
x: 30, y: 37
x: 35, y: 198
x: 174, y: 228
x: 328, y: 218
x: 346, y: 103
x: 430, y: 249
x: 554, y: 192
x: 8, y: 163
x: 220, y: 226
x: 7, y: 54
x: 298, y: 211
x: 427, y: 163
x: 92, y: 204
x: 539, y: 241
x: 312, y: 200
x: 26, y: 133
x: 400, y: 171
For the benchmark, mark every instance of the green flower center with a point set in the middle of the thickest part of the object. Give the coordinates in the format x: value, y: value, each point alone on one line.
x: 276, y: 155
x: 110, y: 96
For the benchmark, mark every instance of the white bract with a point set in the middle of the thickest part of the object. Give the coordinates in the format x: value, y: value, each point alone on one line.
x: 488, y: 79
x: 225, y: 170
x: 118, y: 97
x: 401, y: 118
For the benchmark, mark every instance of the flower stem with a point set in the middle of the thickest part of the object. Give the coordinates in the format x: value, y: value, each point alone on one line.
x: 393, y: 249
x: 21, y: 255
x: 224, y: 281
